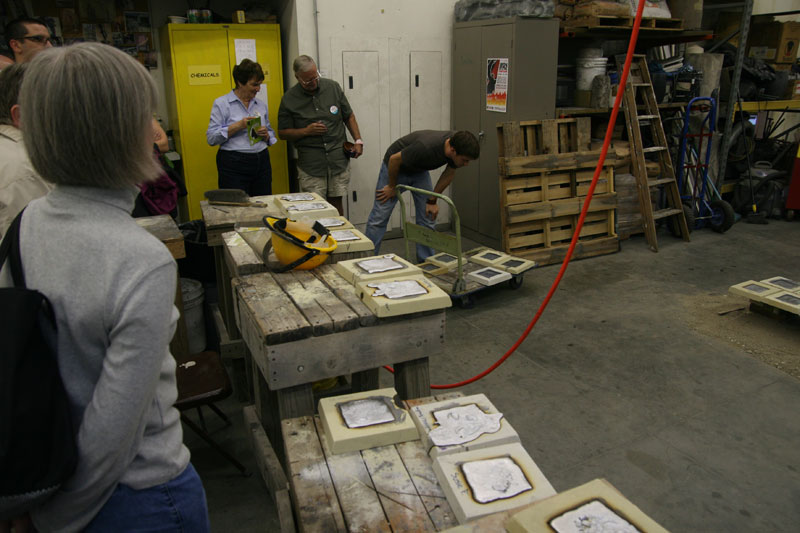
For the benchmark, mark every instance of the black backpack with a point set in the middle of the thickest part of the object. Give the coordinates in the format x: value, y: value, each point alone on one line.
x: 37, y: 441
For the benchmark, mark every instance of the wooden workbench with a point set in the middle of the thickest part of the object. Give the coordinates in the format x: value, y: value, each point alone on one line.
x: 164, y: 228
x: 388, y: 488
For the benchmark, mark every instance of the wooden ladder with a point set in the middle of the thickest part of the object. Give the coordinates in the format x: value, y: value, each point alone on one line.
x: 639, y: 92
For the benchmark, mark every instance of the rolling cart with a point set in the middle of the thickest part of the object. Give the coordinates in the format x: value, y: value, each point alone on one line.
x: 455, y: 283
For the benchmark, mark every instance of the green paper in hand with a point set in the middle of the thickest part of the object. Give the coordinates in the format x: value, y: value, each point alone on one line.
x: 252, y: 127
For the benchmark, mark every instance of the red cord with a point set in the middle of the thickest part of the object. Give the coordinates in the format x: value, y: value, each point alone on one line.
x: 584, y: 210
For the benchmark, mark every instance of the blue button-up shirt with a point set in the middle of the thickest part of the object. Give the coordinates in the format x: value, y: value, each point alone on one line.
x: 228, y: 109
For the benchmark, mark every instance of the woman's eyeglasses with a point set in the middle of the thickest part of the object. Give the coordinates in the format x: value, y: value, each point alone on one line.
x: 41, y: 39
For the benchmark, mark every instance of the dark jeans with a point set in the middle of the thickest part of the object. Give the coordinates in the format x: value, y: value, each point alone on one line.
x: 251, y: 173
x: 177, y: 506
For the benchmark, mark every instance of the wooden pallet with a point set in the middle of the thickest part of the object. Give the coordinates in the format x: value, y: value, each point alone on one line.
x: 546, y: 168
x: 603, y: 22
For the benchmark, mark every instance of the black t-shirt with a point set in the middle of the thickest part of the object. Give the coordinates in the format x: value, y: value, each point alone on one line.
x: 421, y: 150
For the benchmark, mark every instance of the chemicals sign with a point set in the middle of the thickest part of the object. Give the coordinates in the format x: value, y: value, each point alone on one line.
x: 205, y: 75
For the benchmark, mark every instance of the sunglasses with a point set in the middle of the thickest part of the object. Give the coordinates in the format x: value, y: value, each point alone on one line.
x: 41, y: 39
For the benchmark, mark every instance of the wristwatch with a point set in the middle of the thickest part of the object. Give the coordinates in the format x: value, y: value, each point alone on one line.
x: 432, y: 201
x: 358, y: 141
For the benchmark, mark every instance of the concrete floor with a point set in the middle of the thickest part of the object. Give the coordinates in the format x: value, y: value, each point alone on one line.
x: 617, y: 381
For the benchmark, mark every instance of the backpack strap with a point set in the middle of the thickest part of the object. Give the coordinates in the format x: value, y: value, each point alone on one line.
x: 9, y: 249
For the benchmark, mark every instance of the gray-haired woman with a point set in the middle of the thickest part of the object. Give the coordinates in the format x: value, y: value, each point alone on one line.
x: 86, y: 119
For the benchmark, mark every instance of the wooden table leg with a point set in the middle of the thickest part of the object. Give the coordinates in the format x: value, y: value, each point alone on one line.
x: 274, y: 406
x: 366, y: 380
x: 179, y: 345
x: 411, y: 379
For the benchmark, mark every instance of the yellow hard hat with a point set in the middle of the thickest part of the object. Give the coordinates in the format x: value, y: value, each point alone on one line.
x: 299, y: 246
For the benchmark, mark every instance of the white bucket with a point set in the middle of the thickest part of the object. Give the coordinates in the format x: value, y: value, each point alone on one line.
x: 587, y: 69
x: 192, y: 293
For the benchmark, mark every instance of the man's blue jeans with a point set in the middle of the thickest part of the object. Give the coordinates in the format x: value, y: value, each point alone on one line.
x: 381, y: 212
x: 177, y: 506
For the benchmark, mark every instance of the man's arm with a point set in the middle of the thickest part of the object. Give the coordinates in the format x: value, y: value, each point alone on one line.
x: 352, y: 127
x: 295, y: 134
x: 432, y: 209
x: 388, y: 191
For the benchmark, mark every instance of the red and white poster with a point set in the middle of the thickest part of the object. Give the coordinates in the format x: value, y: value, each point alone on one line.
x: 496, y: 84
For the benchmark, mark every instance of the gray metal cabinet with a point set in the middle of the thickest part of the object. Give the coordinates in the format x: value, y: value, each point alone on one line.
x: 531, y: 47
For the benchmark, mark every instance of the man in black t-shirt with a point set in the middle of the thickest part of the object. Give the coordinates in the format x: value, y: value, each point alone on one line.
x: 407, y: 162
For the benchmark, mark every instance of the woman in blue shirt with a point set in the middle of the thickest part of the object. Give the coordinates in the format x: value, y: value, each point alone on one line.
x: 242, y: 162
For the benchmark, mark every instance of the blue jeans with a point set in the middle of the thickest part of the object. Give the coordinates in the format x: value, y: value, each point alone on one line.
x: 381, y: 212
x: 177, y: 506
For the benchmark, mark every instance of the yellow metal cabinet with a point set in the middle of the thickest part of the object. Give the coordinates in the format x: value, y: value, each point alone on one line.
x: 198, y: 60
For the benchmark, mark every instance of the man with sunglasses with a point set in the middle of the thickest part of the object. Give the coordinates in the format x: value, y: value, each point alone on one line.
x: 313, y: 115
x: 26, y: 37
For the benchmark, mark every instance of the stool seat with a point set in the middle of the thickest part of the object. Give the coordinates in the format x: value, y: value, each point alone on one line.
x: 201, y: 379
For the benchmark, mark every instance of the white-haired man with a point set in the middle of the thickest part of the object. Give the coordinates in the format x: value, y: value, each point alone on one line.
x: 313, y: 115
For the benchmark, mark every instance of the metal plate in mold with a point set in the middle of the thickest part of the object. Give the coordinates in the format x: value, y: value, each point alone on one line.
x: 298, y: 197
x: 331, y: 222
x: 344, y: 235
x: 754, y: 287
x: 380, y: 264
x: 311, y: 206
x: 398, y: 289
x: 789, y: 299
x: 511, y: 263
x: 445, y: 258
x: 366, y: 412
x: 490, y: 256
x: 591, y: 517
x: 495, y: 479
x: 784, y: 283
x: 462, y: 424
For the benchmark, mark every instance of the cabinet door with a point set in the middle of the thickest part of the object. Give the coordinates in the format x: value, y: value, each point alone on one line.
x: 496, y: 41
x: 360, y: 84
x: 468, y: 94
x: 201, y: 73
x: 425, y: 106
x: 268, y: 53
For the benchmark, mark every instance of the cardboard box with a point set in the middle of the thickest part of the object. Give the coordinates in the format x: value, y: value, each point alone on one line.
x: 774, y: 41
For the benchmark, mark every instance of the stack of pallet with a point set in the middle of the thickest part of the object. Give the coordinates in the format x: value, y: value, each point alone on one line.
x: 545, y: 168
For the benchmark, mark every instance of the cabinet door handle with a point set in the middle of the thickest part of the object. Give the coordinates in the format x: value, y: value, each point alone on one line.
x: 355, y: 196
x: 480, y: 135
x: 416, y: 80
x: 350, y: 79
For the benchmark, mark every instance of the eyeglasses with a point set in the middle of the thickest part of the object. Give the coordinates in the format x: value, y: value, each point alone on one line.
x: 41, y: 39
x: 305, y: 83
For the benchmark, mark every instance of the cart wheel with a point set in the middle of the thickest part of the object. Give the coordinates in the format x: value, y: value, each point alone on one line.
x: 466, y: 301
x: 516, y: 281
x: 722, y: 216
x: 688, y: 214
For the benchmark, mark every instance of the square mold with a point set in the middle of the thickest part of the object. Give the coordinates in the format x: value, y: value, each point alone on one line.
x: 350, y: 240
x: 362, y: 420
x: 788, y: 301
x: 335, y: 223
x: 446, y: 260
x: 488, y: 257
x: 490, y: 480
x: 489, y: 276
x: 375, y: 267
x: 594, y: 506
x: 432, y: 269
x: 384, y: 296
x: 784, y: 284
x: 482, y: 422
x: 515, y: 265
x: 754, y: 290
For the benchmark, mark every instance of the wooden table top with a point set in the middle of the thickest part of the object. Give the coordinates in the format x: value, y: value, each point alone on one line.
x: 388, y: 488
x: 164, y: 228
x: 222, y: 218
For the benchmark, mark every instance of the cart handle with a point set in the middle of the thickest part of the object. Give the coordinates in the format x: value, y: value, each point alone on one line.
x: 460, y: 284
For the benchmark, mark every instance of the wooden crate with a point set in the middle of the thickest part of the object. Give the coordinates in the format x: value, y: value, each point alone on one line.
x: 546, y: 168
